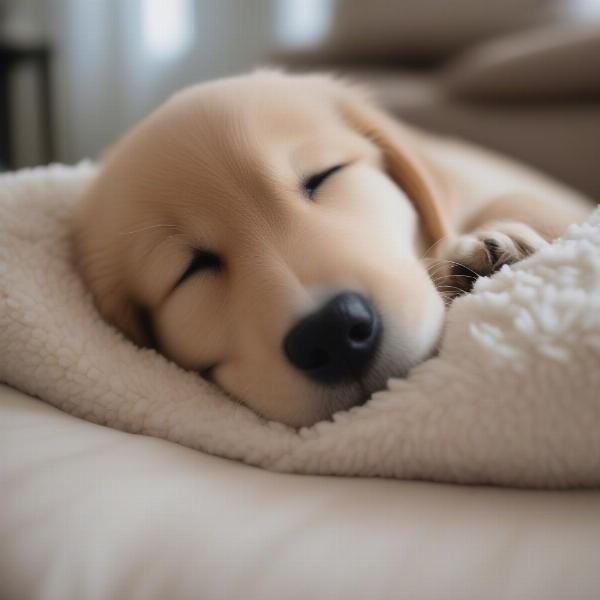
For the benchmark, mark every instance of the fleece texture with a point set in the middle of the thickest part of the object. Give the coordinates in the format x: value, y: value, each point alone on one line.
x: 513, y: 397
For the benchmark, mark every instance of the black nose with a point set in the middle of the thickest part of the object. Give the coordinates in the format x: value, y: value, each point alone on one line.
x: 336, y: 342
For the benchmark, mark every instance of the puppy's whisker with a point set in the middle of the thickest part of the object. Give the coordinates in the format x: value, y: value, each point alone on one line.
x: 440, y: 262
x: 433, y: 273
x: 450, y: 287
x: 458, y: 264
x: 442, y: 239
x: 448, y: 277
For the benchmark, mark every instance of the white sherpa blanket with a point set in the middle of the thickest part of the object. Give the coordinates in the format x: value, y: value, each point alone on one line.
x: 512, y: 399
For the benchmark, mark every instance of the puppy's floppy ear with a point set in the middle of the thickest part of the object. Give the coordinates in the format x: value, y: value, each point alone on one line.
x: 404, y: 160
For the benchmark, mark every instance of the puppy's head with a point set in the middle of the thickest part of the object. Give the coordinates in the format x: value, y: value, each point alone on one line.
x: 267, y: 231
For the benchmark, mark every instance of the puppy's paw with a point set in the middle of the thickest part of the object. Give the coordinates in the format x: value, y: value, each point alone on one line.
x: 484, y: 251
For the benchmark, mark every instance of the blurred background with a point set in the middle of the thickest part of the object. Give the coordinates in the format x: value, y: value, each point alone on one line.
x: 519, y: 76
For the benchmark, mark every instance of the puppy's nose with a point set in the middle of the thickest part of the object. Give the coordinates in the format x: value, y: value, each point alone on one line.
x: 336, y: 342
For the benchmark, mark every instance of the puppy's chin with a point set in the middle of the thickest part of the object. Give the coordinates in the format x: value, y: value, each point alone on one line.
x: 329, y: 400
x: 292, y: 398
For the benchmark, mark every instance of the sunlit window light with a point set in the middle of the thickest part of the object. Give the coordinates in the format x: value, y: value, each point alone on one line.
x: 167, y: 27
x: 302, y: 23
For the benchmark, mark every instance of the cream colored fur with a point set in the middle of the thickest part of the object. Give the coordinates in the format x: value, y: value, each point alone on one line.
x: 220, y: 167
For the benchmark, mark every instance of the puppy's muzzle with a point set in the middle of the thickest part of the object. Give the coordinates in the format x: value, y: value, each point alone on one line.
x: 337, y: 342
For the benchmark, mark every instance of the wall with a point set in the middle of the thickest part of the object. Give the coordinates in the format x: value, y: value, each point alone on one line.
x: 115, y: 60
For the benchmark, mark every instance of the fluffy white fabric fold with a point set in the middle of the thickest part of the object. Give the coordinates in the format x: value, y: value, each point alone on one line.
x: 513, y: 397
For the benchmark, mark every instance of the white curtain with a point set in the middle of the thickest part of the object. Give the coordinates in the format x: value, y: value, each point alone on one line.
x: 118, y: 59
x: 115, y: 60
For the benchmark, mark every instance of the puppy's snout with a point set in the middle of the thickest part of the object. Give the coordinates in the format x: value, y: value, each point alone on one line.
x: 336, y: 342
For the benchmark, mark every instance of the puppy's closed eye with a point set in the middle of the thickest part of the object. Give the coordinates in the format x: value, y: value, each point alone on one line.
x: 311, y: 184
x: 202, y: 260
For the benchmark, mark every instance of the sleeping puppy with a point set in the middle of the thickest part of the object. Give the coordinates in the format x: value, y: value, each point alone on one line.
x: 291, y: 242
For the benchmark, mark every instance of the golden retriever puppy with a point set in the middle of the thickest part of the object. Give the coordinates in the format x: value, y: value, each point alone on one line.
x: 270, y: 232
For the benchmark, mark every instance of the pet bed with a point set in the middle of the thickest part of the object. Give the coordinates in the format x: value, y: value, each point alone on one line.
x: 513, y: 397
x: 88, y: 512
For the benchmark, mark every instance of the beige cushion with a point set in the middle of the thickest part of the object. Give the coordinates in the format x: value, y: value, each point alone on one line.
x: 92, y: 513
x: 547, y: 64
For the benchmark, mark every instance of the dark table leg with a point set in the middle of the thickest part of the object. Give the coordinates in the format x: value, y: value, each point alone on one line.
x: 46, y: 107
x: 6, y: 158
